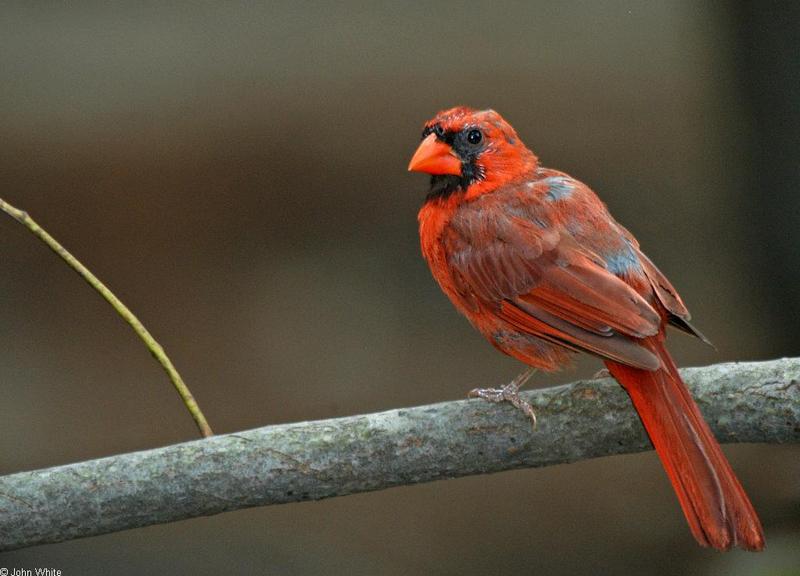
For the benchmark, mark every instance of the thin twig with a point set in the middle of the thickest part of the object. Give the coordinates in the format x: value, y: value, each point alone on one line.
x: 747, y: 402
x: 155, y: 348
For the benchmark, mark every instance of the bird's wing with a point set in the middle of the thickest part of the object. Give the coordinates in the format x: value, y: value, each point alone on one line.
x: 540, y: 281
x: 667, y: 295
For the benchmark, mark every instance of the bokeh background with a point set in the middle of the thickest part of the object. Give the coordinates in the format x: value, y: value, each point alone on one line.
x: 236, y: 173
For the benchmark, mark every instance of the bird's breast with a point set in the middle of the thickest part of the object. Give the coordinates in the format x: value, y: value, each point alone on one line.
x: 434, y: 217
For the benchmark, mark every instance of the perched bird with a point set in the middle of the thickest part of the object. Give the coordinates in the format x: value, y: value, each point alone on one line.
x: 534, y: 260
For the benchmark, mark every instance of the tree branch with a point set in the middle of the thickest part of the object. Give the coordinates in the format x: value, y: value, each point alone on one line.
x: 125, y: 313
x: 743, y: 402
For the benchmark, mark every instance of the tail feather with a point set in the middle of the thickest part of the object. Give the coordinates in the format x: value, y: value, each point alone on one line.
x: 716, y: 507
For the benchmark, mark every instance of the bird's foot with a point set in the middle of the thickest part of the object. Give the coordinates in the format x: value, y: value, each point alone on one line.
x: 602, y: 373
x: 509, y: 393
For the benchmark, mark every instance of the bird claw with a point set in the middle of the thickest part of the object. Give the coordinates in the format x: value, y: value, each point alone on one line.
x: 509, y: 393
x: 602, y: 373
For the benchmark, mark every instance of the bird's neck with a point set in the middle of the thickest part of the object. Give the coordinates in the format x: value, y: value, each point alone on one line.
x: 446, y: 189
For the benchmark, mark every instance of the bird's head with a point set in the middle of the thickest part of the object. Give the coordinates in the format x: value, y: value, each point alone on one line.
x: 473, y: 151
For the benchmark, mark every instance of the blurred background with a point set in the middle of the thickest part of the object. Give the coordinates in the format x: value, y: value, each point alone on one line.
x: 237, y: 174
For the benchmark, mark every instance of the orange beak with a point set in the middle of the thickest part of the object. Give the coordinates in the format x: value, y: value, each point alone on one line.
x: 435, y: 157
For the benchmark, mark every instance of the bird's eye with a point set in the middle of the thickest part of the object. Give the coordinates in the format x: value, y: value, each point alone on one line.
x: 474, y: 136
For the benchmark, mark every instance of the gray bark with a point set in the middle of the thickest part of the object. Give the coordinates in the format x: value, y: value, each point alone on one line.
x: 743, y: 402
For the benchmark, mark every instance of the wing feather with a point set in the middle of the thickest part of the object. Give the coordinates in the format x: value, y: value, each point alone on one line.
x: 543, y: 283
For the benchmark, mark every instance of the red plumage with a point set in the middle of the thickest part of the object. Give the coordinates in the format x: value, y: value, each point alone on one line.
x: 534, y: 260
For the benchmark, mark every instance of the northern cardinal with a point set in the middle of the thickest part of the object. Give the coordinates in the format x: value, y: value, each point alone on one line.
x: 534, y: 260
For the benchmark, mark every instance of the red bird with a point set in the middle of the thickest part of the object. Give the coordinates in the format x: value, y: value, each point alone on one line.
x: 534, y: 260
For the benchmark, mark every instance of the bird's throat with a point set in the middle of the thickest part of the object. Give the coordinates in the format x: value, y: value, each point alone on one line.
x: 445, y: 185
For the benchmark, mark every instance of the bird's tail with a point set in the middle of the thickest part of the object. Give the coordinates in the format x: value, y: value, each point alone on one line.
x: 715, y: 504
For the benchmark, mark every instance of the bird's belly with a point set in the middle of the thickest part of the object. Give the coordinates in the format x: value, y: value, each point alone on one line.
x: 528, y: 348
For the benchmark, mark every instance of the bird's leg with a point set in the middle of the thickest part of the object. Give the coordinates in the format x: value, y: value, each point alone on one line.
x: 509, y: 393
